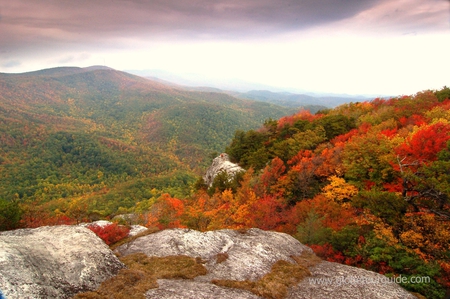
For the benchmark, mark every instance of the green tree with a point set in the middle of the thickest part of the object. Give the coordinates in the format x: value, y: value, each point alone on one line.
x: 10, y: 214
x: 312, y: 230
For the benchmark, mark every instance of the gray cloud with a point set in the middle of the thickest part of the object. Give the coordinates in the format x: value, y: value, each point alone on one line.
x: 11, y: 63
x: 194, y: 18
x: 28, y: 24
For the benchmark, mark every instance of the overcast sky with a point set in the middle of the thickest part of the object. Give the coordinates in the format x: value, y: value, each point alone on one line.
x: 341, y: 46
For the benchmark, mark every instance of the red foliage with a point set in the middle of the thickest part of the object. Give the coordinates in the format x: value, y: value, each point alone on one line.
x: 368, y: 184
x: 301, y: 157
x: 415, y: 120
x: 445, y: 274
x: 395, y: 186
x: 389, y: 132
x: 269, y: 213
x: 302, y: 115
x: 271, y: 174
x: 341, y: 139
x: 364, y: 128
x: 40, y: 218
x: 110, y: 233
x: 327, y: 253
x: 424, y: 145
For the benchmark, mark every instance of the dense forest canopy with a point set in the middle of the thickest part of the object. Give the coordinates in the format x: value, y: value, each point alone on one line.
x: 366, y: 184
x: 109, y: 139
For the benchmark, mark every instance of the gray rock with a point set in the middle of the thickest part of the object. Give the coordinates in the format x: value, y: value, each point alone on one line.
x: 220, y: 164
x: 249, y: 255
x: 136, y: 229
x: 190, y: 289
x: 233, y: 255
x: 53, y: 262
x: 332, y: 280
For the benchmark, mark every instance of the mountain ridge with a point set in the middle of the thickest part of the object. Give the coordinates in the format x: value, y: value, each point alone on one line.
x: 109, y: 135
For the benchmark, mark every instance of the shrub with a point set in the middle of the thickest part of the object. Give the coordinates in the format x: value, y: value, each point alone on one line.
x: 110, y: 233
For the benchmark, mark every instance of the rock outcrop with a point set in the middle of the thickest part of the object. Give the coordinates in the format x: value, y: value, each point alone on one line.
x: 60, y: 261
x: 332, y: 280
x: 221, y: 164
x: 53, y: 262
x: 249, y: 255
x: 184, y: 289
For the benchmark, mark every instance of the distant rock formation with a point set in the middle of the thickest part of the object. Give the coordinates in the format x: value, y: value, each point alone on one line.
x: 249, y: 255
x: 53, y: 262
x: 220, y: 164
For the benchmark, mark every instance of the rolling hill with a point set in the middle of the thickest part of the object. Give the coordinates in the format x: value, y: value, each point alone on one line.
x: 67, y: 132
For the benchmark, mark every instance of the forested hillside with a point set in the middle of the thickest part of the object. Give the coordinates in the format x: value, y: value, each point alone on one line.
x: 100, y: 140
x: 366, y: 184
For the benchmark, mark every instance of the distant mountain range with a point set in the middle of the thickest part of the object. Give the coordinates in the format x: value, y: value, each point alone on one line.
x: 253, y: 91
x: 76, y: 130
x: 115, y: 139
x: 287, y: 99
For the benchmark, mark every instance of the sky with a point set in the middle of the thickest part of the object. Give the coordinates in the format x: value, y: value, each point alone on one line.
x: 370, y: 47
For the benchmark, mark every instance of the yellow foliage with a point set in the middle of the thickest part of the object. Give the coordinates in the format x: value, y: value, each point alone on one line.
x: 412, y: 239
x: 339, y: 190
x: 384, y: 232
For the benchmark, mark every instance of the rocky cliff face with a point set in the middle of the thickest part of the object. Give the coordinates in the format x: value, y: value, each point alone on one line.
x: 233, y: 255
x: 221, y: 164
x: 53, y: 262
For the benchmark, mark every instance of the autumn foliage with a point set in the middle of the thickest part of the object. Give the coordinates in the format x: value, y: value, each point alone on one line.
x: 110, y: 233
x: 364, y: 184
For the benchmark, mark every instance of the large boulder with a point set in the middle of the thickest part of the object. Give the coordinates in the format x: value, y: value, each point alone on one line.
x: 191, y: 289
x: 53, y: 262
x: 229, y: 254
x: 249, y: 255
x: 220, y: 164
x: 332, y: 280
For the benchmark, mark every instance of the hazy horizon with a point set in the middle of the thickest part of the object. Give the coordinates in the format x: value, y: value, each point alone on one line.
x: 329, y: 46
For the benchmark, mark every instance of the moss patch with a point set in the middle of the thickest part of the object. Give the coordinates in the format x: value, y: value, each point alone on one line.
x: 178, y: 266
x: 221, y: 257
x: 274, y: 285
x: 141, y: 275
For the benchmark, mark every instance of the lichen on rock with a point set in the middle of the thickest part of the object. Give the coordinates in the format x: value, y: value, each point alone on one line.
x: 53, y: 262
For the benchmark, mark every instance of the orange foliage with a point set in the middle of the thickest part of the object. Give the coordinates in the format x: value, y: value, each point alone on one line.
x: 341, y: 139
x: 166, y: 212
x: 195, y: 211
x: 423, y: 231
x: 335, y: 215
x: 331, y: 162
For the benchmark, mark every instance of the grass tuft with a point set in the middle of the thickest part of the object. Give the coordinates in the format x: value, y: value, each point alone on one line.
x: 274, y: 285
x: 141, y: 275
x: 221, y: 257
